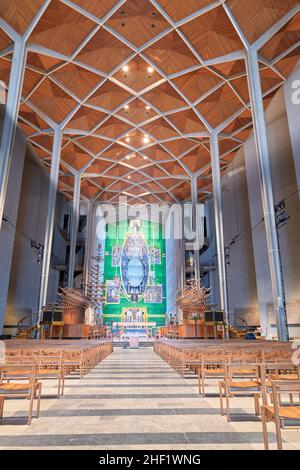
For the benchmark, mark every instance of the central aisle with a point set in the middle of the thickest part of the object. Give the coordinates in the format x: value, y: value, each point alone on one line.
x: 133, y: 400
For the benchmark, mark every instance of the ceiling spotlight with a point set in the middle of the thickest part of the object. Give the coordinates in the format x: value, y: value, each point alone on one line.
x: 147, y: 107
x: 145, y: 158
x: 127, y: 139
x: 150, y: 70
x: 127, y: 157
x: 128, y: 177
x: 125, y: 68
x: 126, y: 106
x: 146, y: 139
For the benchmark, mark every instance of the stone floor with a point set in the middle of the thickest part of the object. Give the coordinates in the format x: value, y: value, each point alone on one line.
x: 133, y: 400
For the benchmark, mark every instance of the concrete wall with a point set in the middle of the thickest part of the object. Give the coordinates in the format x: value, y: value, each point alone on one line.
x: 7, y: 234
x: 249, y: 281
x: 25, y: 273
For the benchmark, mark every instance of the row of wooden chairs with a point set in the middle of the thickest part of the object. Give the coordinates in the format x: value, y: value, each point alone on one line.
x: 261, y: 370
x: 23, y: 369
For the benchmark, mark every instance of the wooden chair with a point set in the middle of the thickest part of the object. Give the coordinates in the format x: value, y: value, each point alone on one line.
x: 284, y: 416
x: 212, y: 367
x: 283, y: 371
x: 247, y: 384
x: 29, y: 388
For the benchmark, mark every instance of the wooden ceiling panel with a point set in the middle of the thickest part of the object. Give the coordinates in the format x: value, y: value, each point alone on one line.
x: 138, y: 75
x: 212, y: 34
x: 260, y: 15
x: 52, y: 101
x: 179, y: 146
x: 113, y: 128
x: 27, y: 114
x: 160, y: 129
x: 204, y: 183
x: 97, y: 8
x: 183, y: 191
x: 41, y: 62
x: 75, y: 156
x: 167, y: 198
x: 196, y: 159
x: 269, y: 79
x: 5, y: 40
x: 104, y: 182
x: 31, y: 80
x: 138, y: 22
x: 169, y: 182
x: 165, y: 98
x: 179, y: 9
x: 187, y: 122
x: 106, y: 196
x: 93, y: 144
x: 283, y: 40
x: 196, y: 84
x: 76, y: 79
x: 88, y: 189
x: 136, y: 177
x: 116, y: 152
x: 103, y: 52
x: 61, y: 28
x: 19, y: 13
x: 226, y: 145
x: 243, y: 120
x: 157, y: 153
x: 118, y: 171
x: 109, y: 96
x: 174, y: 168
x: 68, y: 180
x: 136, y: 139
x: 152, y: 186
x: 43, y: 140
x: 154, y: 171
x: 99, y: 166
x: 231, y: 69
x: 5, y: 66
x: 137, y: 112
x: 220, y: 105
x: 26, y: 128
x: 171, y: 54
x: 86, y: 119
x: 119, y: 186
x: 134, y: 160
x: 288, y: 63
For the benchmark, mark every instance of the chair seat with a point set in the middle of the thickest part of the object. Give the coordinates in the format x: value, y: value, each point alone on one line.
x: 215, y: 371
x: 7, y: 388
x: 286, y: 412
x: 247, y: 385
x: 283, y: 377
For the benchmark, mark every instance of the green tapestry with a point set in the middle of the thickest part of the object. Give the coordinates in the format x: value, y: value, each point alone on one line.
x: 135, y: 272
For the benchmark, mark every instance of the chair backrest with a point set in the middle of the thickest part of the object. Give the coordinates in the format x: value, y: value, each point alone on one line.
x: 242, y: 369
x: 24, y: 371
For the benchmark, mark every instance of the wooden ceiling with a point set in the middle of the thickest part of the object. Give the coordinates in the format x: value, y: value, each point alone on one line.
x: 138, y: 84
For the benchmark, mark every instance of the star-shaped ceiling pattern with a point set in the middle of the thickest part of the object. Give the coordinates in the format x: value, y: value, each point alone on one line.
x: 137, y: 86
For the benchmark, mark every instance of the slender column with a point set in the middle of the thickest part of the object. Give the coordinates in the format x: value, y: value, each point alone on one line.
x: 74, y: 228
x: 194, y: 193
x: 52, y: 192
x: 11, y: 117
x: 265, y: 177
x: 216, y: 174
x: 88, y: 243
x: 182, y: 271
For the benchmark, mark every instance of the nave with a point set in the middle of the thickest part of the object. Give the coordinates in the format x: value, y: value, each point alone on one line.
x: 134, y: 400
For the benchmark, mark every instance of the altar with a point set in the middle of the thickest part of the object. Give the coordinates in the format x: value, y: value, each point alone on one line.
x: 141, y: 330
